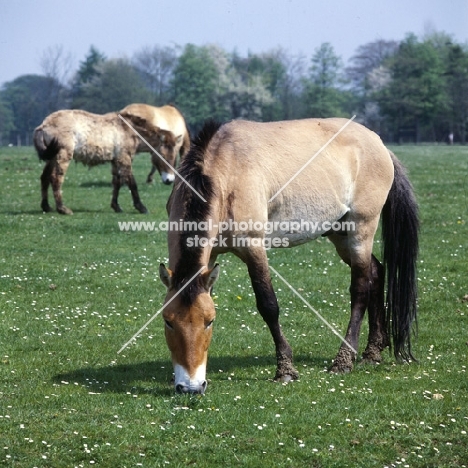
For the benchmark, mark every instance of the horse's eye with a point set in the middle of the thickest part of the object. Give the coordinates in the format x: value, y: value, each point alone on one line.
x: 209, y: 324
x: 168, y: 324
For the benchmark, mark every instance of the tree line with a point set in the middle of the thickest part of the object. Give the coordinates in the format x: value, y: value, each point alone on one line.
x: 408, y: 91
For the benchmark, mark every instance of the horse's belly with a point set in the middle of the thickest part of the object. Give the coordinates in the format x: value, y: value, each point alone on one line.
x: 289, y: 233
x: 92, y: 153
x: 303, y: 227
x: 93, y: 156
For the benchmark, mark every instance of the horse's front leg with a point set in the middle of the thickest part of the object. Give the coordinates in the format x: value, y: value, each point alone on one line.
x: 126, y: 172
x: 149, y: 179
x: 116, y: 184
x: 267, y: 304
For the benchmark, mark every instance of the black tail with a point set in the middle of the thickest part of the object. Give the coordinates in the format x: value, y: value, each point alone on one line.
x: 45, y: 151
x: 400, y: 230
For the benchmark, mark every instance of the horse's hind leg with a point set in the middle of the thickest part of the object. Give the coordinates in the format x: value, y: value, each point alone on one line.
x: 57, y: 177
x: 135, y: 195
x: 356, y: 250
x: 45, y: 182
x: 378, y: 336
x: 122, y: 172
x: 267, y: 304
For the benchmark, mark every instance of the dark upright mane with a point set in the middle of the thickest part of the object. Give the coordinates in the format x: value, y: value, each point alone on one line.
x: 195, y: 210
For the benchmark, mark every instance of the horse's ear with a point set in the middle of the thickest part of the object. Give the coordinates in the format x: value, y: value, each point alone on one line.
x: 166, y: 275
x: 210, y: 277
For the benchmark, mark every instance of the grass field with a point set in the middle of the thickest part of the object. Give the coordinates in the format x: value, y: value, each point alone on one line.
x: 74, y: 289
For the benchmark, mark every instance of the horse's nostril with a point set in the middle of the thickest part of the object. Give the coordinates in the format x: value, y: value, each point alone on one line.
x: 203, y: 386
x: 181, y: 388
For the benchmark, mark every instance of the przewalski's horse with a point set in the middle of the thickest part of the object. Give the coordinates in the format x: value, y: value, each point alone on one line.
x: 166, y: 118
x: 97, y: 139
x: 239, y: 168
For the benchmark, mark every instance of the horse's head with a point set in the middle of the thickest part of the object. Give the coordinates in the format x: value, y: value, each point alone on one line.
x: 167, y: 148
x: 188, y: 314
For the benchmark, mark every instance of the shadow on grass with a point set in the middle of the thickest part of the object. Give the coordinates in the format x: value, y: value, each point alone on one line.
x: 96, y: 183
x: 154, y: 377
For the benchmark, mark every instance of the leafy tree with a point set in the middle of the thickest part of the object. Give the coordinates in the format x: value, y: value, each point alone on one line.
x: 29, y: 99
x: 457, y: 90
x: 194, y: 85
x: 88, y: 70
x: 267, y: 73
x: 322, y: 95
x: 415, y: 92
x: 238, y: 94
x: 115, y: 84
x: 6, y: 121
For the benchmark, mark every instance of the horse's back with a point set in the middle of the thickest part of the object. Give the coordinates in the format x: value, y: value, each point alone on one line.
x: 166, y: 117
x: 311, y: 147
x: 92, y: 138
x: 317, y: 169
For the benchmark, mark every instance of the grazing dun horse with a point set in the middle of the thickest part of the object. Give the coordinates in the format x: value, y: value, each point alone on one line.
x: 283, y: 173
x: 97, y: 139
x: 167, y: 118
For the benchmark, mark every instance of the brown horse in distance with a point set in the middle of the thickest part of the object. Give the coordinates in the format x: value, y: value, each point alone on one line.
x: 167, y: 118
x: 243, y: 175
x: 97, y: 139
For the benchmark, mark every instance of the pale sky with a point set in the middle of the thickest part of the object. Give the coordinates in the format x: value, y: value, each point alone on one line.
x: 122, y: 27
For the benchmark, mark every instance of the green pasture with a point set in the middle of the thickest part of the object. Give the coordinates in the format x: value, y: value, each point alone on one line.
x: 74, y: 290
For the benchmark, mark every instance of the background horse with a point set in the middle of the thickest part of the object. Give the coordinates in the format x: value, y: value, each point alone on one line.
x: 249, y: 171
x: 97, y: 139
x: 166, y: 118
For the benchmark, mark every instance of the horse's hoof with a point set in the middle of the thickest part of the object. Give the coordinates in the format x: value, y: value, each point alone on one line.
x: 286, y: 378
x: 64, y: 210
x: 340, y: 369
x: 45, y: 207
x: 286, y: 375
x: 142, y: 209
x: 117, y: 208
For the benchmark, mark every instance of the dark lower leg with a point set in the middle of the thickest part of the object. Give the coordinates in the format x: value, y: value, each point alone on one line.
x: 135, y: 195
x: 359, y: 300
x: 45, y: 182
x: 149, y: 179
x: 267, y: 305
x: 116, y: 183
x: 378, y: 336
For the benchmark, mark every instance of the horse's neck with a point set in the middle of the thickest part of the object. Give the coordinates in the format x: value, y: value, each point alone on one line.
x: 189, y: 247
